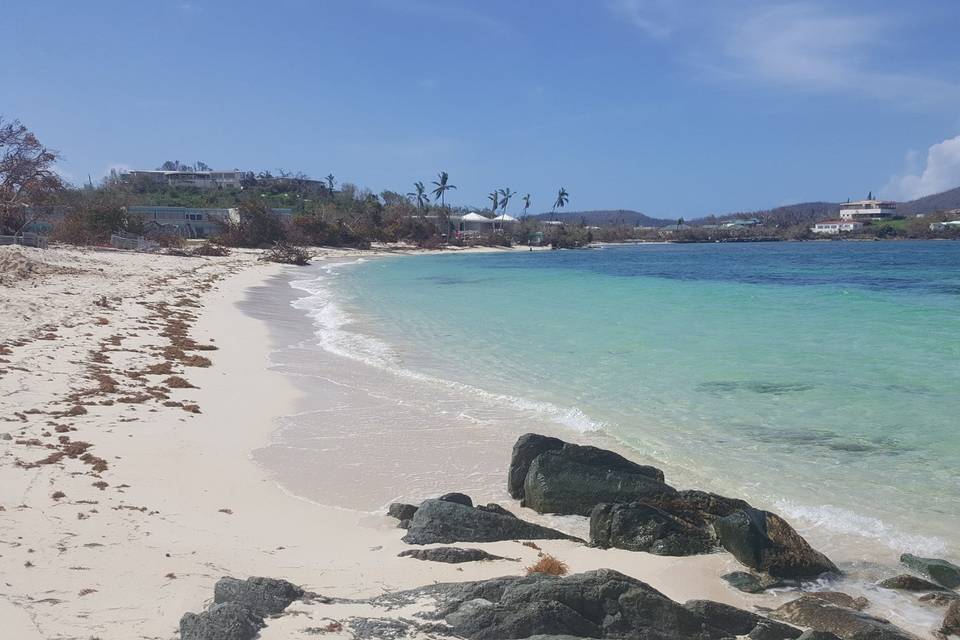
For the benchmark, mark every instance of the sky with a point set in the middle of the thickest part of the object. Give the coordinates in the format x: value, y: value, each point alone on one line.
x: 669, y: 107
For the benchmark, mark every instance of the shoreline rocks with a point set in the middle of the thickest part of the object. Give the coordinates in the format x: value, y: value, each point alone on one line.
x: 239, y: 607
x: 443, y: 522
x: 820, y: 615
x: 907, y: 582
x: 637, y: 526
x: 571, y: 481
x: 764, y: 541
x: 942, y: 572
x: 450, y: 555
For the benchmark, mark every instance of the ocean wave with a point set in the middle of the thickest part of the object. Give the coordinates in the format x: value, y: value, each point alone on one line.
x: 850, y: 523
x: 331, y: 321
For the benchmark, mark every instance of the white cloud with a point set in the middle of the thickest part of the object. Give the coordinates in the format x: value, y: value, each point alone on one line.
x: 801, y: 45
x: 940, y: 172
x: 657, y: 18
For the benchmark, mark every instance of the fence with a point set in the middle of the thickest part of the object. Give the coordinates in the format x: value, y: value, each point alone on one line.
x: 26, y: 240
x: 132, y: 242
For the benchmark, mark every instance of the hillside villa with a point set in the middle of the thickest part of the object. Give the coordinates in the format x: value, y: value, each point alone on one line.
x: 869, y: 209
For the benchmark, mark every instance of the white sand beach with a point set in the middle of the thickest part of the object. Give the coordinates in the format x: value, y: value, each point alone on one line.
x: 125, y: 493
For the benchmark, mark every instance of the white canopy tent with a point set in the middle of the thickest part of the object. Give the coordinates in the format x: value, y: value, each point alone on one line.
x: 475, y: 222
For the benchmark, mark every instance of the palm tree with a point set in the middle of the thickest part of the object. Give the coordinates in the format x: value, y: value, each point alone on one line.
x: 421, y: 196
x: 494, y: 198
x: 330, y: 181
x: 679, y: 223
x: 562, y: 199
x: 442, y: 187
x: 505, y: 195
x: 526, y: 204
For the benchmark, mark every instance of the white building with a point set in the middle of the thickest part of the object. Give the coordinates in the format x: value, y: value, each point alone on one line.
x: 190, y: 222
x: 943, y: 226
x: 836, y: 226
x: 868, y: 210
x: 741, y: 222
x: 198, y: 179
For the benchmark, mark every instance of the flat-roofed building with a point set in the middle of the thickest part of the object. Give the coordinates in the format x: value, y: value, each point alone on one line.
x: 836, y: 226
x: 198, y: 179
x: 868, y: 210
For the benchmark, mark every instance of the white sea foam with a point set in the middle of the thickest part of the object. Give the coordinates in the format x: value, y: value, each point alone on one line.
x: 332, y: 324
x: 850, y: 523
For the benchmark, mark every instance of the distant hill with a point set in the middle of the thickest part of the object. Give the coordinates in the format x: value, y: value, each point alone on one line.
x: 943, y: 201
x: 808, y: 212
x: 607, y: 218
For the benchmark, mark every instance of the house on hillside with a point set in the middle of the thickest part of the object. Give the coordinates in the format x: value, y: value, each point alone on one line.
x: 741, y: 223
x: 190, y: 222
x: 835, y: 227
x: 870, y: 209
x: 198, y: 179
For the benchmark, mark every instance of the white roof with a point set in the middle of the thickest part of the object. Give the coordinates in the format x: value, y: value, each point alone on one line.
x: 506, y: 218
x: 475, y: 217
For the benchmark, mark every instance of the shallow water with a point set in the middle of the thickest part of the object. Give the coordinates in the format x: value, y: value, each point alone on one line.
x: 817, y: 379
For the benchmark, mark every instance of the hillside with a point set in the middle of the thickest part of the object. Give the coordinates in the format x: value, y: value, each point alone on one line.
x: 943, y: 201
x: 607, y: 217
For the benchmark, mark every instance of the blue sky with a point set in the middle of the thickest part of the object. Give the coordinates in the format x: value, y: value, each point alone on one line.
x: 671, y: 107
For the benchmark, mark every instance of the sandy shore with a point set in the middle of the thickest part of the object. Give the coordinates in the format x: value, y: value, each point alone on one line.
x: 156, y: 495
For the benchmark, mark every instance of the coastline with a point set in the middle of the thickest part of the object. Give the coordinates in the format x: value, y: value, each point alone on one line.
x: 197, y: 505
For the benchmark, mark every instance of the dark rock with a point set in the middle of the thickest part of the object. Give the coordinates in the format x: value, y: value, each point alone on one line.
x: 495, y: 508
x: 906, y: 582
x: 261, y: 596
x: 739, y: 622
x: 765, y: 542
x: 810, y: 634
x: 940, y: 571
x: 458, y: 498
x: 840, y: 599
x: 401, y: 511
x: 595, y: 604
x: 640, y: 527
x: 450, y: 555
x: 697, y: 507
x: 403, y: 524
x: 951, y: 621
x: 482, y: 620
x: 526, y: 448
x: 808, y: 611
x: 225, y: 621
x: 437, y: 521
x: 562, y: 481
x: 940, y: 598
x: 751, y: 582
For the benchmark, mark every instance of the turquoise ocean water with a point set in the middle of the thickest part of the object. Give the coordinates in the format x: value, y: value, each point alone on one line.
x: 821, y: 380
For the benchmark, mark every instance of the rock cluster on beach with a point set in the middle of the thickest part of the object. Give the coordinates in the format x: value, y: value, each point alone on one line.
x: 239, y: 608
x: 630, y: 507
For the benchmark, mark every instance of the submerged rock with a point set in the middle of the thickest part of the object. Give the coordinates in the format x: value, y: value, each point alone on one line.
x: 225, y: 621
x: 450, y: 555
x: 438, y: 521
x: 765, y: 542
x: 573, y: 481
x: 840, y: 599
x: 260, y: 596
x: 940, y: 598
x: 819, y: 615
x: 738, y: 622
x: 906, y: 582
x: 640, y: 527
x: 951, y: 621
x: 940, y: 571
x: 751, y: 582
